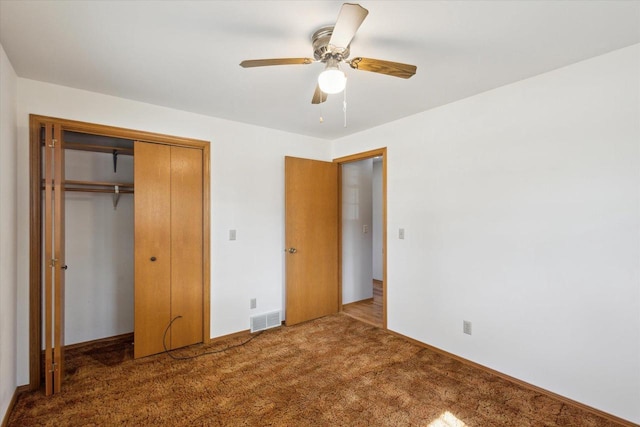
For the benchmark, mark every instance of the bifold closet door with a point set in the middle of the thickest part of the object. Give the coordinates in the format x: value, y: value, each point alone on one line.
x: 152, y: 246
x: 186, y: 246
x: 168, y: 247
x: 54, y: 258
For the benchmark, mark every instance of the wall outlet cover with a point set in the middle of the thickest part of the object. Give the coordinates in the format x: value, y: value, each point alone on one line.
x: 466, y: 327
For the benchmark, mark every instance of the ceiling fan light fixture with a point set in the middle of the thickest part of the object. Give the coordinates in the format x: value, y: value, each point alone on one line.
x: 331, y: 46
x: 332, y: 80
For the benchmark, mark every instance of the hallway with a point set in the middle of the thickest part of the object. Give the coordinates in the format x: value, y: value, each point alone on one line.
x: 368, y: 310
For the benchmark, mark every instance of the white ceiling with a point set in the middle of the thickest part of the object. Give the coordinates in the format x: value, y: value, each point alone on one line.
x: 185, y: 55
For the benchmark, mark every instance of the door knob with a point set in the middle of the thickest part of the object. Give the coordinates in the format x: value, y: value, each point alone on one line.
x: 64, y: 267
x: 153, y: 258
x: 292, y: 250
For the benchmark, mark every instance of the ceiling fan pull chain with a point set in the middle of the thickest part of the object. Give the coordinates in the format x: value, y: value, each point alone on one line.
x: 344, y: 105
x: 321, y: 118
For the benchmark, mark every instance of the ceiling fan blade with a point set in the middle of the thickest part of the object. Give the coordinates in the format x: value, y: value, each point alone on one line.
x: 395, y: 69
x: 318, y: 96
x: 275, y: 61
x: 349, y: 20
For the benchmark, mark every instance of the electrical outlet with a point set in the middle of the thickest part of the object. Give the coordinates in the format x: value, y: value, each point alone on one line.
x: 253, y: 303
x: 401, y: 233
x: 466, y: 327
x: 232, y: 234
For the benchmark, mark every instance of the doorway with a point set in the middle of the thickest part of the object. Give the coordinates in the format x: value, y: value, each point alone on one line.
x: 313, y: 236
x: 362, y: 183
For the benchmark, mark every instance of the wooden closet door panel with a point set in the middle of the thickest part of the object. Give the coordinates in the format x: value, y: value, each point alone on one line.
x: 48, y: 226
x: 60, y: 262
x: 152, y: 241
x: 54, y: 260
x: 186, y: 246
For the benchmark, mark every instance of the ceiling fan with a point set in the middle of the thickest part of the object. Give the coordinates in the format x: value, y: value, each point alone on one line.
x: 331, y: 47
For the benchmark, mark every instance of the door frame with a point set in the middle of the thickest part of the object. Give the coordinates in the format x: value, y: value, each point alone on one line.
x: 35, y: 219
x: 378, y: 152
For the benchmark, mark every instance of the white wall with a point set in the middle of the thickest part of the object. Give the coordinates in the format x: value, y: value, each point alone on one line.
x: 356, y: 243
x: 8, y: 236
x: 376, y: 219
x: 247, y: 194
x: 521, y: 212
x: 99, y: 250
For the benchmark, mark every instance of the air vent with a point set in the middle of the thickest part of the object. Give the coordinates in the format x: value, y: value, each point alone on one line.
x: 273, y: 319
x: 265, y: 321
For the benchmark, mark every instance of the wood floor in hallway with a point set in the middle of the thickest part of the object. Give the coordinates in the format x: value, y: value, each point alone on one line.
x: 368, y: 310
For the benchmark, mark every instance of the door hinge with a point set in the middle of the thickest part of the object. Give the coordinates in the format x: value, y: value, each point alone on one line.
x: 53, y: 262
x: 54, y: 367
x: 53, y: 143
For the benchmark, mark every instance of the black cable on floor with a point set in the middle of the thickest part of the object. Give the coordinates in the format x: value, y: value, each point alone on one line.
x: 167, y: 351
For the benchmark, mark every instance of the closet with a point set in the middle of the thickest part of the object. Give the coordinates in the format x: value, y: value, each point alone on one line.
x: 166, y: 196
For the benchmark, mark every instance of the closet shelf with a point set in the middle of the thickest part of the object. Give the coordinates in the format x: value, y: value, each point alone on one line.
x: 98, y: 148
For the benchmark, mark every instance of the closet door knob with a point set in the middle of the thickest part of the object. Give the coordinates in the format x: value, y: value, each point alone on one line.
x: 153, y: 258
x: 64, y: 267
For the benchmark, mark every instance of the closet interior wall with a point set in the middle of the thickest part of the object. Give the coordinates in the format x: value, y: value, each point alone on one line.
x: 99, y: 283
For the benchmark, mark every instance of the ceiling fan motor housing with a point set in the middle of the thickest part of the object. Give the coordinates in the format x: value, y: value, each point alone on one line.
x: 321, y: 50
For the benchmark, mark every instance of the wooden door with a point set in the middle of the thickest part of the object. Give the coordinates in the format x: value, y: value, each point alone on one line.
x: 311, y: 228
x: 54, y: 257
x: 186, y: 246
x: 152, y: 246
x: 168, y: 305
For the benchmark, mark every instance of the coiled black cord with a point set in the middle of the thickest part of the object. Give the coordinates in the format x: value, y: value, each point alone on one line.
x: 167, y: 351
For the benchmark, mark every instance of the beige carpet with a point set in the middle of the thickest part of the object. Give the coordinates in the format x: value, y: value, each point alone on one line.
x: 334, y: 371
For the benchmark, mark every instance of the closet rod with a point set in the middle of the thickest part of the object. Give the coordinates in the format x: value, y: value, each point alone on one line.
x: 99, y: 184
x: 97, y: 190
x: 98, y: 187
